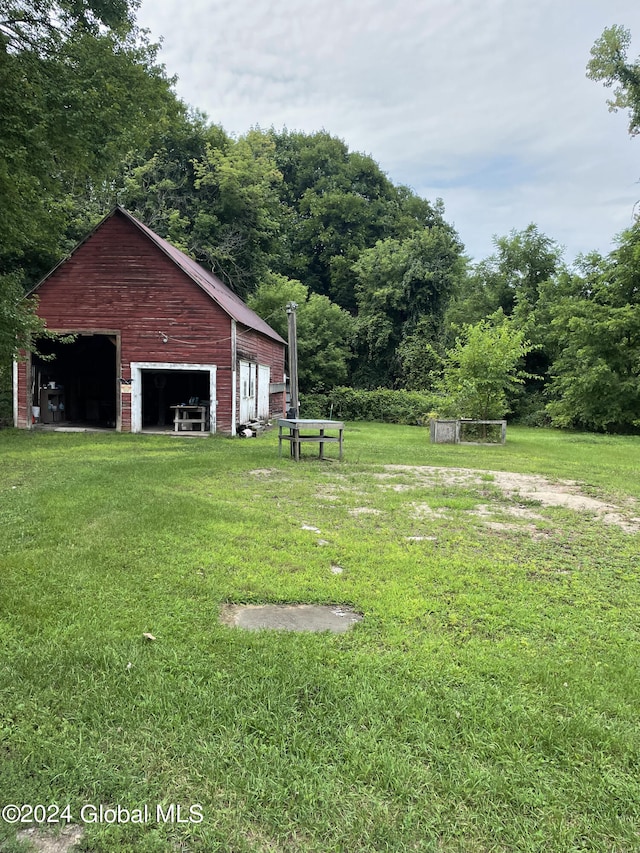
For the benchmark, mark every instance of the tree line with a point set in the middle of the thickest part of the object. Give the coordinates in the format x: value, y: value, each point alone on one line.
x: 387, y: 297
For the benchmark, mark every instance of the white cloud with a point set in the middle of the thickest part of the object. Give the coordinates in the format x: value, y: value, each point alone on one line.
x: 482, y: 102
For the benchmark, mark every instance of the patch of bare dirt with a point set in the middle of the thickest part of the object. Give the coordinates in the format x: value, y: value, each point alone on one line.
x: 364, y: 510
x: 564, y: 493
x: 421, y: 538
x: 531, y: 529
x: 424, y: 511
x: 45, y: 842
x: 488, y: 512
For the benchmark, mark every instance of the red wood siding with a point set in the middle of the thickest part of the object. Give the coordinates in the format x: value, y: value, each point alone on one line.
x: 120, y: 280
x: 23, y: 408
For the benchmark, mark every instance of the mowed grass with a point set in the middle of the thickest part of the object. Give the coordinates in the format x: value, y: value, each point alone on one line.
x: 489, y: 700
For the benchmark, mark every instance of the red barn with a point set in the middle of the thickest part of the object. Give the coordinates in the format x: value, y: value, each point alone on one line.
x: 148, y: 329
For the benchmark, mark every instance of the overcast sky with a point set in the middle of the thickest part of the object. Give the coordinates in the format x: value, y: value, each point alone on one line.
x: 483, y: 103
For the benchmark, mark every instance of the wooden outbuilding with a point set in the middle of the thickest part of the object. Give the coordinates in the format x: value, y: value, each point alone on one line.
x: 149, y: 333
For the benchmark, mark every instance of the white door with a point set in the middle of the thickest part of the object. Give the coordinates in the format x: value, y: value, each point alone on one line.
x: 247, y: 392
x: 264, y: 380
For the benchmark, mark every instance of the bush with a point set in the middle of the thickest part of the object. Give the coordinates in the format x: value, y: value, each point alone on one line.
x: 383, y: 404
x: 6, y: 396
x: 530, y: 410
x: 314, y: 406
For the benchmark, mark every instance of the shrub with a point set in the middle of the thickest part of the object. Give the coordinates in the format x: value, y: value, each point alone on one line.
x: 481, y: 371
x: 382, y: 404
x: 314, y: 406
x: 6, y: 397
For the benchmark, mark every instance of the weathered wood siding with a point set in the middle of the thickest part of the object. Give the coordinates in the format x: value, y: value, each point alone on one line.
x: 22, y: 414
x: 118, y: 279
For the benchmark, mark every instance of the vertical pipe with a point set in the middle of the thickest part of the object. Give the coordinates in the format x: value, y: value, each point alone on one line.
x: 293, y: 358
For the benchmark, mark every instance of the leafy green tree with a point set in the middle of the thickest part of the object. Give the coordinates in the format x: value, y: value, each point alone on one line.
x: 420, y: 356
x: 337, y: 203
x: 239, y: 204
x: 335, y: 206
x: 299, y: 205
x: 594, y: 336
x: 43, y: 24
x: 400, y: 284
x: 19, y: 326
x: 609, y: 65
x: 19, y: 323
x: 510, y: 279
x: 79, y: 87
x: 157, y: 183
x: 324, y: 330
x: 481, y: 370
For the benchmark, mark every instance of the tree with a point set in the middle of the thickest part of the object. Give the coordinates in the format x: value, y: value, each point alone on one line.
x: 215, y: 198
x: 301, y: 206
x: 19, y: 323
x: 337, y: 203
x: 42, y: 25
x: 481, y: 371
x: 510, y: 279
x: 79, y: 87
x: 420, y: 356
x: 238, y: 221
x: 400, y: 284
x: 157, y: 183
x: 594, y: 337
x: 609, y: 65
x: 324, y: 330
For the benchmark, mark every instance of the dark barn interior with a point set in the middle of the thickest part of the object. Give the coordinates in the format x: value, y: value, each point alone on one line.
x: 162, y: 389
x: 75, y: 381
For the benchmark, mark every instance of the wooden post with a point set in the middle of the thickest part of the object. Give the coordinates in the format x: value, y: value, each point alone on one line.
x: 293, y: 359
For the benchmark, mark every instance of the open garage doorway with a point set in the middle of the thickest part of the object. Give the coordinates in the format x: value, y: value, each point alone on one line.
x: 74, y: 381
x: 158, y: 387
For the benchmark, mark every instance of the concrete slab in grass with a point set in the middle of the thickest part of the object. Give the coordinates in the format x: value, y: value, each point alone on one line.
x: 290, y: 617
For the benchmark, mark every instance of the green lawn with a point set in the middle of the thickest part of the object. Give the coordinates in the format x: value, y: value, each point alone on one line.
x: 489, y: 701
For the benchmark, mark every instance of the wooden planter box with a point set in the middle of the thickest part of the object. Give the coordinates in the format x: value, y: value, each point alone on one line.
x: 445, y: 431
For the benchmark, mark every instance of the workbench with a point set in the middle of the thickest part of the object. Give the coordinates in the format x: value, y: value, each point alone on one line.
x: 315, y: 430
x: 190, y: 418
